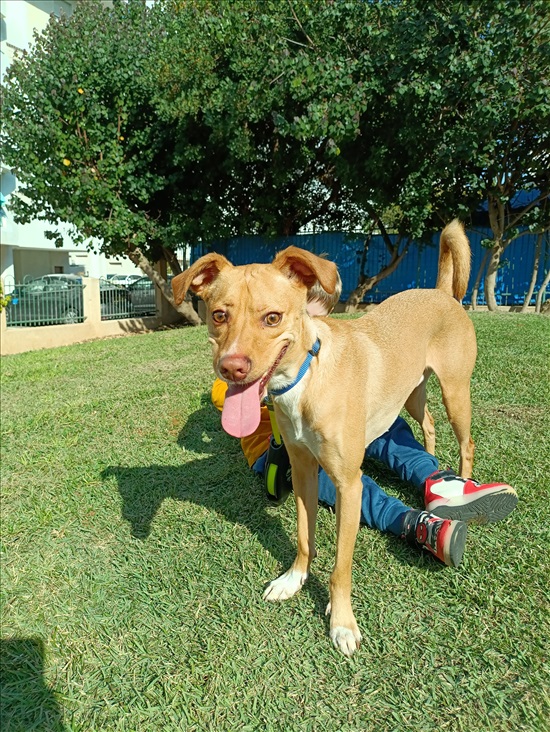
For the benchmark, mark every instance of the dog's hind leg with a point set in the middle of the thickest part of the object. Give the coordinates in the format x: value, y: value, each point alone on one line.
x: 416, y: 407
x: 305, y: 485
x: 457, y: 401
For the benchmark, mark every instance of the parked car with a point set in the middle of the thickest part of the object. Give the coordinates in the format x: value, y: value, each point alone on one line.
x: 143, y: 296
x: 46, y: 300
x: 115, y: 301
x: 124, y: 280
x: 57, y: 298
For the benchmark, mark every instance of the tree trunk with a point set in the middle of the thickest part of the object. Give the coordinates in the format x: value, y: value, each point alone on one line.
x: 354, y: 300
x: 497, y: 215
x: 491, y: 276
x: 367, y: 283
x: 185, y: 309
x: 534, y: 274
x: 356, y: 295
x: 540, y: 293
x: 172, y: 260
x: 480, y: 271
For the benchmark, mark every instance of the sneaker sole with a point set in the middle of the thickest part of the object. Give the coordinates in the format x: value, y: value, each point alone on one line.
x: 454, y: 551
x: 485, y: 509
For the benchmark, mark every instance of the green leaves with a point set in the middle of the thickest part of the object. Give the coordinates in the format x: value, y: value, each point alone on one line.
x: 82, y: 136
x: 205, y: 119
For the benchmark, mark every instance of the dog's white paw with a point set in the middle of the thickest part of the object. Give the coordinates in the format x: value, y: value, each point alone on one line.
x: 285, y: 586
x: 345, y: 639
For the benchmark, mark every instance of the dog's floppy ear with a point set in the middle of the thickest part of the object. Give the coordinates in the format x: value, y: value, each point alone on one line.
x: 307, y: 267
x: 198, y: 276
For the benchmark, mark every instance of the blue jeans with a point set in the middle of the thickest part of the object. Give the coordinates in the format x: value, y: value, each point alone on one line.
x: 397, y: 449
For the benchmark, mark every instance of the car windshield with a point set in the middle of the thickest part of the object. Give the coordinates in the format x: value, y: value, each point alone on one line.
x: 143, y: 282
x: 37, y: 285
x: 50, y: 284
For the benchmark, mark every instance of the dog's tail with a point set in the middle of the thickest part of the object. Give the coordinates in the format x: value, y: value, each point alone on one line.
x: 454, y: 260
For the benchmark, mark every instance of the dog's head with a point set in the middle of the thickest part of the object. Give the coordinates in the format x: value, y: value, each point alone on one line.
x: 257, y: 320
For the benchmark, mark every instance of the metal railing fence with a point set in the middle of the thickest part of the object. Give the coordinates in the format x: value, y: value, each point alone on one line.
x: 44, y: 302
x: 59, y: 299
x: 115, y: 300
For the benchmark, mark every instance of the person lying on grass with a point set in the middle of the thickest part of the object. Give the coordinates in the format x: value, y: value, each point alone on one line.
x: 449, y: 500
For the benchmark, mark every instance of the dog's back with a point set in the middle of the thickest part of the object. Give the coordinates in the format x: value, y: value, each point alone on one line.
x: 410, y: 322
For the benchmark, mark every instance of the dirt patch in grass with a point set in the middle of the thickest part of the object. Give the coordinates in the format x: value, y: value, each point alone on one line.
x: 514, y: 412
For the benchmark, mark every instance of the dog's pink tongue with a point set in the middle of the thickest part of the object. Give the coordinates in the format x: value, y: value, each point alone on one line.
x: 241, y: 410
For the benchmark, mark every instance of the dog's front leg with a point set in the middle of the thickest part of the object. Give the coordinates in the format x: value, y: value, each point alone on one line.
x: 344, y: 631
x: 304, y: 482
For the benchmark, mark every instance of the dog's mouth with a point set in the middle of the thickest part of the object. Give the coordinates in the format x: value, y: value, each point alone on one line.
x: 266, y: 378
x: 241, y: 413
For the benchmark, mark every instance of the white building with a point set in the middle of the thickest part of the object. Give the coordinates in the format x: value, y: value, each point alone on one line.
x: 24, y: 250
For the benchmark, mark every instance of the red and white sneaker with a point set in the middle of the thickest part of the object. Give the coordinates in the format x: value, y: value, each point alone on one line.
x: 443, y: 538
x: 450, y: 496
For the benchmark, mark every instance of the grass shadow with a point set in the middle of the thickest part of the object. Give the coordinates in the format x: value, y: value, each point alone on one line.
x: 218, y: 480
x: 406, y: 492
x: 26, y: 701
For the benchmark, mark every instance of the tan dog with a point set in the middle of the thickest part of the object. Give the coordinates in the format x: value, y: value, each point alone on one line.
x: 349, y: 391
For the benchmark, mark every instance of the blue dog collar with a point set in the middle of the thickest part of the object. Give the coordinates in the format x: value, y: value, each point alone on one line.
x: 314, y: 350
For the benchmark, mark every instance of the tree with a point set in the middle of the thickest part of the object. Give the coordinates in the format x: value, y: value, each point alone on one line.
x: 203, y: 119
x: 534, y: 273
x: 397, y: 249
x: 540, y: 293
x: 228, y: 82
x: 4, y: 299
x: 473, y: 85
x: 513, y: 152
x: 456, y: 114
x: 179, y: 123
x: 277, y: 90
x: 85, y: 142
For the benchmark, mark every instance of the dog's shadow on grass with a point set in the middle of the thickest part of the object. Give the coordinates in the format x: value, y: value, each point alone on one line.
x: 213, y: 474
x: 26, y: 701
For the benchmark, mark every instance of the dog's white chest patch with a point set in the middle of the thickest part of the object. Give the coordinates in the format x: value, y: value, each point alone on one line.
x: 297, y: 429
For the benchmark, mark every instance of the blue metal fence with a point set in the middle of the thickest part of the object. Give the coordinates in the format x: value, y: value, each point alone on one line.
x: 417, y: 269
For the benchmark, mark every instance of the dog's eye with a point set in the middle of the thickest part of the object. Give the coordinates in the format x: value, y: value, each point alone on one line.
x: 273, y: 319
x: 219, y: 316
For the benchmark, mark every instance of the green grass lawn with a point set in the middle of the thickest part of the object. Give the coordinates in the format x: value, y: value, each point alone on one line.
x: 136, y: 544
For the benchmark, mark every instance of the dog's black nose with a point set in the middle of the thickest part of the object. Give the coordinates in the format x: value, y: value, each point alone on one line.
x: 235, y: 368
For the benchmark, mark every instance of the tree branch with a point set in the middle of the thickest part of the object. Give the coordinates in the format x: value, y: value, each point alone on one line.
x: 528, y: 208
x: 301, y: 26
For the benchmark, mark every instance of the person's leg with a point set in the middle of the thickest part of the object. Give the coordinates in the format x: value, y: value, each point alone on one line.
x: 443, y: 538
x: 378, y: 510
x: 260, y: 464
x: 398, y: 449
x: 445, y: 494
